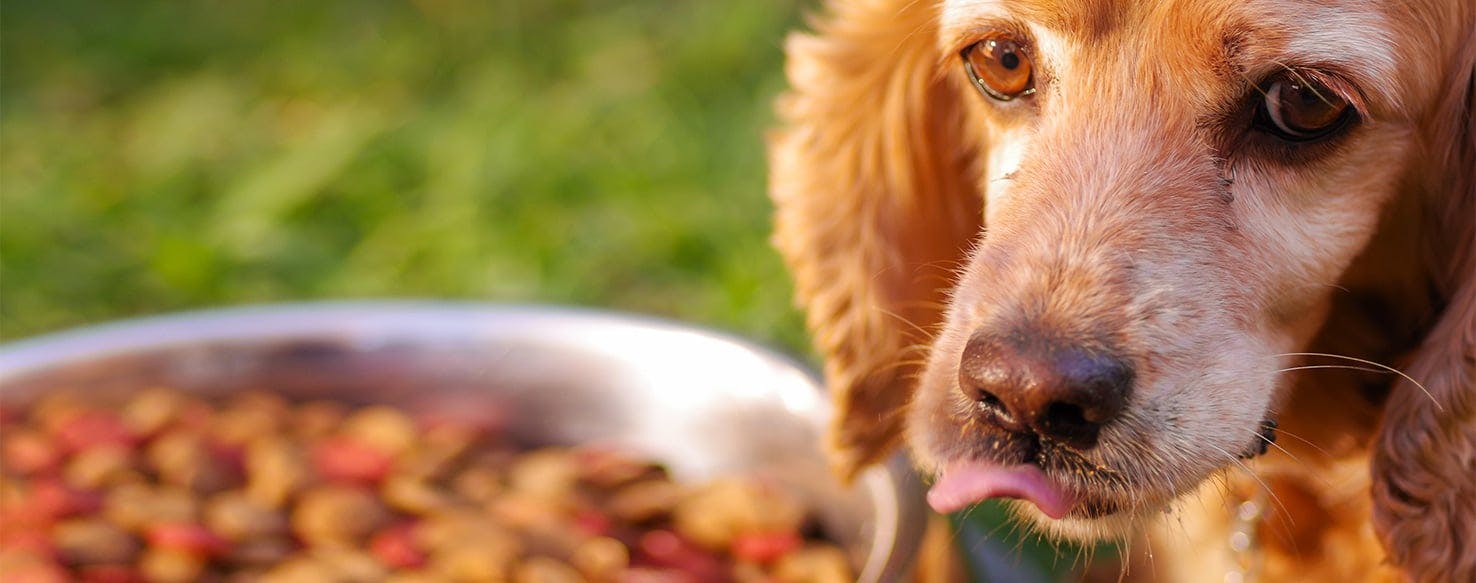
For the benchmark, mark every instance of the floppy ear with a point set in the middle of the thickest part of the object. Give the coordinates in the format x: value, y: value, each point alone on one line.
x: 876, y: 206
x: 1424, y: 464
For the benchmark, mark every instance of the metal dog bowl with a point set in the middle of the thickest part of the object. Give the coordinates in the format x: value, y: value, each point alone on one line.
x: 703, y: 403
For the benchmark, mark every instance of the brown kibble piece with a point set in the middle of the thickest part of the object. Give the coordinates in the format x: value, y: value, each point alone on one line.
x: 349, y: 565
x: 545, y: 570
x: 814, y: 564
x: 185, y: 459
x: 317, y: 419
x: 645, y: 500
x: 470, y: 563
x: 101, y: 466
x: 93, y: 541
x: 719, y: 511
x: 151, y: 410
x: 29, y: 452
x: 238, y: 517
x: 337, y: 515
x: 478, y: 483
x: 250, y: 414
x: 601, y: 558
x: 413, y: 495
x: 299, y: 569
x: 382, y: 428
x: 275, y: 469
x: 135, y: 506
x: 549, y: 473
x: 259, y: 552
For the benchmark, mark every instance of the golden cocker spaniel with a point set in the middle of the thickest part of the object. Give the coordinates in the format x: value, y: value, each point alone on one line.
x: 1096, y: 255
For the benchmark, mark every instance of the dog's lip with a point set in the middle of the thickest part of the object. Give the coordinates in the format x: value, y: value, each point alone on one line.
x: 965, y: 483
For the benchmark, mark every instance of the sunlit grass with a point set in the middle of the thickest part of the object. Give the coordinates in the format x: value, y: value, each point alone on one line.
x: 170, y: 155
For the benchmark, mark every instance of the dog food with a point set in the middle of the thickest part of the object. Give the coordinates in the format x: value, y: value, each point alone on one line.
x: 170, y: 487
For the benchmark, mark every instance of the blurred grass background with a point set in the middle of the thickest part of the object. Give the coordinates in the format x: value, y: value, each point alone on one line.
x: 171, y: 154
x: 161, y: 155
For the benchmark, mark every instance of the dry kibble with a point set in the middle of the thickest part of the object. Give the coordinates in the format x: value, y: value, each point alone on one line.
x: 414, y: 576
x: 645, y: 500
x: 413, y: 495
x: 275, y: 469
x: 93, y: 541
x: 151, y: 410
x: 317, y: 419
x: 185, y: 458
x: 478, y: 483
x: 601, y: 558
x: 28, y: 452
x: 249, y: 416
x: 383, y: 428
x: 259, y: 552
x: 172, y: 487
x: 102, y: 466
x: 237, y: 517
x: 349, y: 565
x: 545, y: 570
x: 470, y: 563
x: 548, y: 473
x: 814, y: 564
x: 714, y: 514
x: 299, y: 569
x: 337, y: 516
x: 135, y: 506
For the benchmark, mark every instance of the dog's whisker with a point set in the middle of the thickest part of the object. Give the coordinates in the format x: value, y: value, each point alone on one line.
x: 1252, y: 474
x: 1283, y: 431
x: 1342, y: 366
x: 1380, y: 365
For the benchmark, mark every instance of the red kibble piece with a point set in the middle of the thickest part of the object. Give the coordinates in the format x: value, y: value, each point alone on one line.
x: 93, y: 428
x: 664, y: 548
x: 53, y: 499
x: 592, y: 522
x: 31, y: 541
x: 187, y: 537
x: 648, y: 575
x: 395, y: 547
x: 764, y: 547
x: 36, y: 573
x: 111, y: 574
x: 29, y: 453
x: 346, y: 460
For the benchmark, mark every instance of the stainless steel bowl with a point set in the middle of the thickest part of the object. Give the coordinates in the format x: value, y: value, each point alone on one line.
x: 703, y: 403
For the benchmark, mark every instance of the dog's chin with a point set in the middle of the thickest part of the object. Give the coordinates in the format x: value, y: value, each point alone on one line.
x: 1088, y: 526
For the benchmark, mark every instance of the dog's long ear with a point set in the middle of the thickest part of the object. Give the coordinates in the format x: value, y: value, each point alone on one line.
x: 876, y: 205
x: 1424, y: 464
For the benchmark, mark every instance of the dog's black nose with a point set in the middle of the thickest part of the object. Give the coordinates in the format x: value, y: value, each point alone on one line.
x: 1064, y: 393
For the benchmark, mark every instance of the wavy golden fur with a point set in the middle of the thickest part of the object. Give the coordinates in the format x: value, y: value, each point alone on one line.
x: 1117, y: 204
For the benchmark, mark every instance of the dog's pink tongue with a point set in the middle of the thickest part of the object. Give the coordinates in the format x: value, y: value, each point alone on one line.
x: 965, y: 483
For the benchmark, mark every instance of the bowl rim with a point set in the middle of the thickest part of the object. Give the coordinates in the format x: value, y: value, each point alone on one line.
x: 894, y: 487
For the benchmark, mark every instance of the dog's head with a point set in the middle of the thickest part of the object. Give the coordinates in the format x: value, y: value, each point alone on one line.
x: 1078, y: 242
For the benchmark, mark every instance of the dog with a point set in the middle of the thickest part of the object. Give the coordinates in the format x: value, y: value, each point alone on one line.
x: 1198, y: 275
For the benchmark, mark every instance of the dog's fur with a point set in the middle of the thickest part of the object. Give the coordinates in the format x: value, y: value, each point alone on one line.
x: 1125, y: 203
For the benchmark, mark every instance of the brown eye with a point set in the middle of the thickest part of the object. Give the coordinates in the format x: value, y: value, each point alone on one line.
x: 999, y: 68
x: 1297, y: 110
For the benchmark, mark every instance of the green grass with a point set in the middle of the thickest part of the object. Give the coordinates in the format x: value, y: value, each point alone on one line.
x: 178, y: 154
x: 162, y: 155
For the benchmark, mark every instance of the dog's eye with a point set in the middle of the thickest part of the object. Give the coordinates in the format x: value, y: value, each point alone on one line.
x: 1297, y: 110
x: 999, y: 68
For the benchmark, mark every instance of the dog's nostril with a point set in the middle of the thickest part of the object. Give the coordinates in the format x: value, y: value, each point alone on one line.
x: 1066, y: 416
x: 989, y: 402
